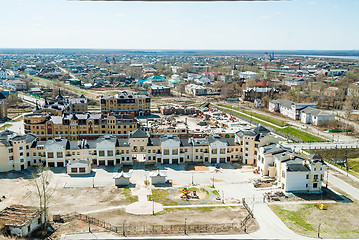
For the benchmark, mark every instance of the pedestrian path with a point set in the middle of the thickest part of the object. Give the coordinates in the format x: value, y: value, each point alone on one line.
x: 143, y: 206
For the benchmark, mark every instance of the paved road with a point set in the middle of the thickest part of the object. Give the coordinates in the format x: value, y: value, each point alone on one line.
x: 342, y: 185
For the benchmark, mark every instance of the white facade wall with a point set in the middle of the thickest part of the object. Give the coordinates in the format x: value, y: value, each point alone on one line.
x: 294, y: 181
x: 106, y: 146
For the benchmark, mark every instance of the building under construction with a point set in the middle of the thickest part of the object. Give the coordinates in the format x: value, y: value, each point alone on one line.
x: 19, y: 220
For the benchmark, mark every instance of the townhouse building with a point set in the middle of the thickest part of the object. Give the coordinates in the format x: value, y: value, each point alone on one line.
x: 294, y: 173
x: 250, y: 140
x: 126, y: 102
x: 62, y: 105
x: 77, y: 126
x: 20, y: 151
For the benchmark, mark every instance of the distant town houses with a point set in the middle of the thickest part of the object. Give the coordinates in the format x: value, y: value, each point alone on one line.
x: 315, y: 116
x: 159, y: 91
x: 305, y: 112
x: 196, y: 90
x: 294, y: 173
x: 251, y: 94
x: 289, y: 108
x: 248, y: 74
x: 14, y: 85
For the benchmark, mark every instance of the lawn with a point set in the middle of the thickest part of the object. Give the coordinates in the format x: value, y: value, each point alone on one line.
x: 162, y: 196
x: 266, y: 118
x: 338, y: 221
x: 5, y: 126
x: 299, y: 134
x: 128, y: 195
x: 304, y: 136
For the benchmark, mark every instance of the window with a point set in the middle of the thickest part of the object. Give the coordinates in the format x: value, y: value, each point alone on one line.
x: 214, y: 151
x: 315, y: 178
x: 175, y: 151
x: 10, y: 150
x: 20, y: 148
x: 222, y: 151
x: 101, y: 153
x: 11, y: 158
x: 59, y: 155
x: 166, y: 152
x: 307, y: 177
x: 50, y: 155
x: 110, y: 153
x: 315, y: 185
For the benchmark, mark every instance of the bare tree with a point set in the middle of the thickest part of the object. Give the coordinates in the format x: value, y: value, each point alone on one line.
x: 41, y: 180
x: 180, y: 88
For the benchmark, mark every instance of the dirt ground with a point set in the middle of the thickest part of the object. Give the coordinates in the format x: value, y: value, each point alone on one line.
x: 176, y: 216
x: 22, y: 191
x: 339, y: 220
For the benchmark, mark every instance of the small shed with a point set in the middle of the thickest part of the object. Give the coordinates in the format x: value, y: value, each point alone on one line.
x: 79, y: 167
x: 21, y: 221
x: 122, y: 179
x: 158, y: 177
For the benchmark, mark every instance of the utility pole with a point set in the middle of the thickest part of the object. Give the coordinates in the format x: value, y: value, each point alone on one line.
x: 346, y: 160
x: 319, y: 230
x: 185, y: 226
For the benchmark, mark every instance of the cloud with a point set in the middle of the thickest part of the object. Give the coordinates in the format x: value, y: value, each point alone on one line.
x: 312, y: 3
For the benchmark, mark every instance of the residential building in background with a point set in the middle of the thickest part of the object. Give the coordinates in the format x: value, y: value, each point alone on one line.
x: 196, y: 90
x: 126, y: 102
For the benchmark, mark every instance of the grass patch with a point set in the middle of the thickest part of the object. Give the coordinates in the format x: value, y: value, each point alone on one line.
x: 215, y: 192
x: 200, y: 209
x: 299, y: 134
x: 338, y: 221
x: 5, y: 126
x: 128, y: 195
x: 296, y: 217
x: 162, y: 196
x: 266, y: 118
x: 306, y: 137
x: 19, y: 119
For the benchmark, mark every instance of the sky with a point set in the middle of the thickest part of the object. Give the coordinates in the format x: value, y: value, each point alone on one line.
x: 277, y: 25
